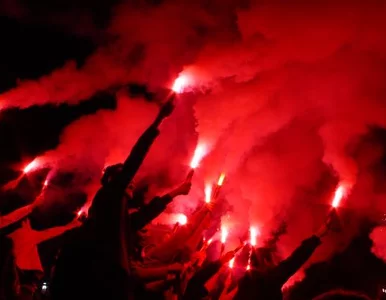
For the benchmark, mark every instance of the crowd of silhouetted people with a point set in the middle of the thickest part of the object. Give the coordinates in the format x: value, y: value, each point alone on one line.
x: 105, y: 255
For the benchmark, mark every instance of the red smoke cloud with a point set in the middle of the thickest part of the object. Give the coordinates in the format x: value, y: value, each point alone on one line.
x: 283, y: 95
x: 379, y: 242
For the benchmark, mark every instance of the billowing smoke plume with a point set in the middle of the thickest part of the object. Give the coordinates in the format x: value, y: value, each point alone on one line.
x: 283, y: 95
x: 378, y: 237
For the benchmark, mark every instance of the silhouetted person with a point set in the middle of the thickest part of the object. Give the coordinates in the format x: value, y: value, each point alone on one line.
x: 95, y: 264
x: 196, y: 289
x: 265, y: 279
x: 9, y: 281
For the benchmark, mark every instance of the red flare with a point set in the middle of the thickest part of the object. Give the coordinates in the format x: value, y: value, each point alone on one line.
x: 248, y: 267
x: 198, y: 155
x: 182, y: 219
x: 339, y: 194
x: 224, y: 234
x: 209, y: 241
x: 221, y: 179
x: 79, y: 213
x: 180, y: 83
x: 231, y: 263
x: 254, y: 233
x: 208, y: 193
x: 32, y: 165
x: 46, y: 182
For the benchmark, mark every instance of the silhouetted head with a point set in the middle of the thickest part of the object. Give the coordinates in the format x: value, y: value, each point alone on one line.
x: 112, y: 171
x: 342, y: 295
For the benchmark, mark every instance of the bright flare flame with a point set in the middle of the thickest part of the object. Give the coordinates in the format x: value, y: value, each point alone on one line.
x: 182, y: 219
x: 46, y: 182
x: 208, y: 193
x: 79, y: 213
x: 32, y: 165
x: 209, y: 241
x: 339, y: 194
x: 224, y: 234
x: 231, y: 263
x: 248, y: 267
x: 180, y: 83
x: 198, y: 155
x: 221, y: 179
x: 253, y: 232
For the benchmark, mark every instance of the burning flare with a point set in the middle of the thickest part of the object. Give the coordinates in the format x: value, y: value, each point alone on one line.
x: 32, y: 165
x: 221, y: 179
x: 231, y: 263
x: 208, y: 193
x: 198, y: 155
x: 182, y: 219
x: 224, y: 234
x: 339, y: 194
x: 253, y: 232
x: 180, y: 83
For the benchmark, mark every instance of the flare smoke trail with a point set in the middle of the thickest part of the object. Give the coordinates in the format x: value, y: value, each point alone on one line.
x: 282, y: 93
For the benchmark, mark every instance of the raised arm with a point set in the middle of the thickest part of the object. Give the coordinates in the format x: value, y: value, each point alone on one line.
x: 15, y: 216
x: 141, y: 148
x: 149, y: 212
x: 52, y: 232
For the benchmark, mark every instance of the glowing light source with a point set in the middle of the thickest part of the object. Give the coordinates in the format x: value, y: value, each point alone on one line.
x: 253, y: 232
x: 339, y: 194
x: 79, y: 213
x: 182, y: 219
x: 46, y: 182
x: 231, y: 263
x: 180, y: 83
x: 221, y: 179
x: 224, y: 234
x: 208, y: 193
x: 32, y: 165
x: 198, y: 155
x: 209, y: 241
x: 248, y: 267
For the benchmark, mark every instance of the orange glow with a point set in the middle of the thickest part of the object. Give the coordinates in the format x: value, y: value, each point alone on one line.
x: 182, y: 219
x: 221, y: 179
x: 339, y: 194
x: 231, y: 263
x: 32, y: 165
x: 208, y: 193
x: 79, y: 213
x: 198, y: 155
x: 180, y: 83
x: 224, y: 234
x: 253, y: 232
x: 248, y: 267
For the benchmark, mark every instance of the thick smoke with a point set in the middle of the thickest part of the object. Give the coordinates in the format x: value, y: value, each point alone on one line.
x: 283, y: 96
x: 378, y: 237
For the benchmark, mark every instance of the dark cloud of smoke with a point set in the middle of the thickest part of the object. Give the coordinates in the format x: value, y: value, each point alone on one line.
x: 283, y: 97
